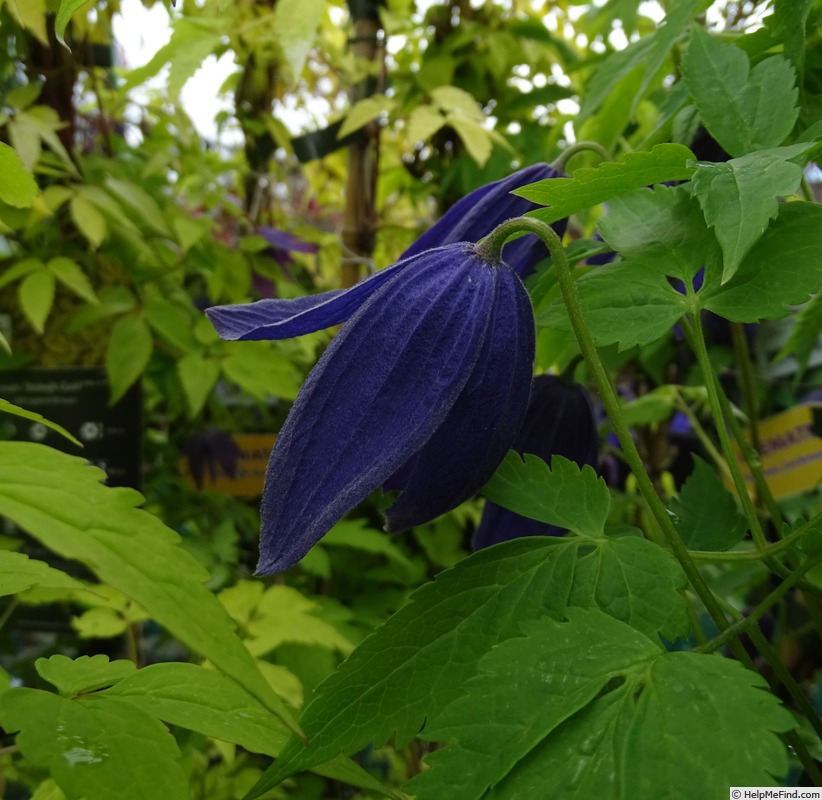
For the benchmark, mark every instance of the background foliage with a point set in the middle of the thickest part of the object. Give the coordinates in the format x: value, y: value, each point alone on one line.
x: 140, y: 656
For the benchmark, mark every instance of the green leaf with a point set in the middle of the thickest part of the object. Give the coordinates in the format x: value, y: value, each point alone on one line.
x: 60, y: 501
x: 783, y: 270
x: 68, y: 272
x: 198, y: 375
x: 475, y: 138
x: 95, y: 747
x: 141, y: 202
x: 64, y: 14
x: 414, y: 664
x: 358, y: 535
x: 622, y: 303
x: 261, y: 370
x: 18, y: 572
x: 89, y: 221
x: 31, y: 14
x: 295, y: 26
x: 82, y: 675
x: 363, y: 112
x: 662, y: 229
x: 789, y: 23
x: 591, y: 708
x: 20, y: 269
x: 647, y: 56
x: 203, y: 700
x: 18, y: 187
x: 806, y: 333
x: 10, y: 408
x: 739, y: 197
x: 561, y: 494
x: 589, y: 187
x: 129, y: 351
x: 423, y: 123
x: 173, y: 320
x: 705, y: 514
x: 36, y: 296
x: 743, y: 109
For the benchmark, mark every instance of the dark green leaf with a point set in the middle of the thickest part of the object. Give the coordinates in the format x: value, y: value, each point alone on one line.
x: 622, y: 303
x: 418, y: 661
x: 589, y: 187
x: 806, y: 333
x: 588, y: 707
x: 783, y: 270
x: 561, y: 494
x: 744, y: 109
x: 662, y: 229
x: 739, y: 197
x: 705, y: 514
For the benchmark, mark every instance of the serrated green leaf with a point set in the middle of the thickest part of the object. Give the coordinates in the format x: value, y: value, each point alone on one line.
x: 198, y: 375
x: 663, y: 229
x: 587, y: 708
x: 743, y: 109
x: 203, y: 700
x: 64, y: 13
x: 363, y: 112
x: 95, y: 747
x: 295, y: 25
x: 414, y: 664
x: 561, y: 494
x: 129, y: 350
x: 82, y: 675
x: 89, y: 221
x: 588, y: 187
x: 783, y: 270
x: 18, y: 187
x: 68, y: 272
x: 261, y: 370
x: 36, y: 296
x: 705, y: 514
x: 739, y: 197
x: 60, y: 501
x: 10, y: 408
x: 18, y: 572
x: 622, y: 303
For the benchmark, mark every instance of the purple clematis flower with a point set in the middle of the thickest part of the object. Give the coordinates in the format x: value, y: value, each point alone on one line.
x: 478, y: 213
x: 423, y: 391
x: 560, y: 421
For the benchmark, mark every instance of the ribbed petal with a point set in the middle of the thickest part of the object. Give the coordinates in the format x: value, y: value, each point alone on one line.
x: 560, y: 421
x: 378, y: 393
x: 282, y: 319
x: 479, y: 212
x: 481, y: 427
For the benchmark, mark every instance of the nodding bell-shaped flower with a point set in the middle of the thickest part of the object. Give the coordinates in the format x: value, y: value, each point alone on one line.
x: 560, y: 421
x: 422, y: 392
x: 478, y: 213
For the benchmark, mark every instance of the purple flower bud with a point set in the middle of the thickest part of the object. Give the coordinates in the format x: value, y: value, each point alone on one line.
x: 212, y: 449
x: 559, y: 421
x: 423, y: 391
x: 478, y: 213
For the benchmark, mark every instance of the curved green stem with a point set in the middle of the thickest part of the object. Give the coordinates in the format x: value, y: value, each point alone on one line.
x: 490, y: 248
x: 568, y: 153
x: 757, y: 555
